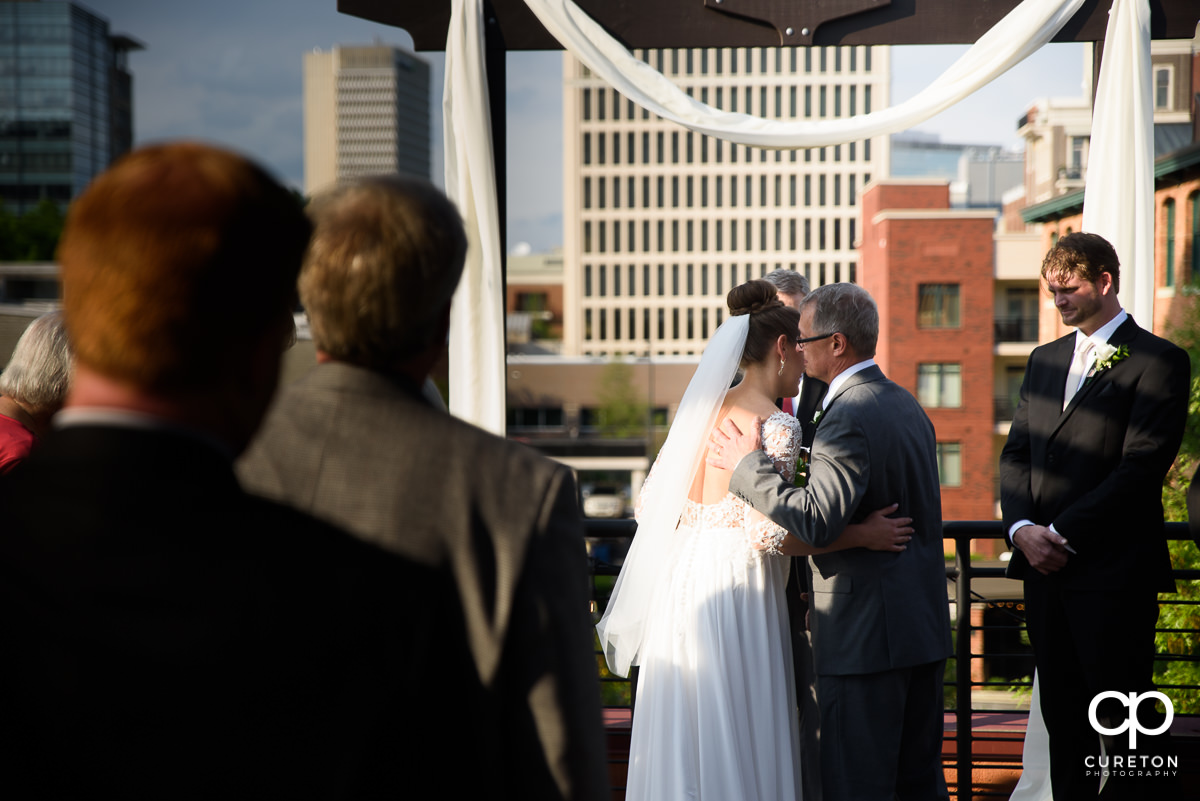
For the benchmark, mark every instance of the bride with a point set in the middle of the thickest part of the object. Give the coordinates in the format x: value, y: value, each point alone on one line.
x: 699, y: 604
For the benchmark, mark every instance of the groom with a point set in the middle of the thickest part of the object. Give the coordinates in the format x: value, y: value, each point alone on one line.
x: 880, y: 621
x: 1101, y: 417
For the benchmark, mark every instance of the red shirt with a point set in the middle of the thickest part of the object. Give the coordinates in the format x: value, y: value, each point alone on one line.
x: 16, y: 441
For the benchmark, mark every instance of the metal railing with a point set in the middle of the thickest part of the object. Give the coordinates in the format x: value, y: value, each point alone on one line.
x: 1016, y: 329
x: 1003, y: 408
x: 965, y: 578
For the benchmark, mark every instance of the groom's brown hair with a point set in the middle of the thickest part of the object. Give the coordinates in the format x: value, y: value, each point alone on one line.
x: 1082, y: 256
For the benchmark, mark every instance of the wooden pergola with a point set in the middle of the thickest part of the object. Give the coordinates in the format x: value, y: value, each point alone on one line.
x: 643, y: 24
x: 763, y: 23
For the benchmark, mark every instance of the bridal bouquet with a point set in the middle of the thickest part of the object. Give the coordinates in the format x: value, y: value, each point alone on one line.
x: 801, y: 477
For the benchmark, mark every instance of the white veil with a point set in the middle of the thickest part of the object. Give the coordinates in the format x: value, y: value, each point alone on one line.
x: 622, y: 627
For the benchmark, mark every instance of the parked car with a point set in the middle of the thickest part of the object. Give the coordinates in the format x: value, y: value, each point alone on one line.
x: 604, y: 500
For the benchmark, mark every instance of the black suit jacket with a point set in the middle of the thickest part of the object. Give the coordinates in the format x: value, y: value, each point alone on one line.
x: 1096, y: 469
x: 1193, y: 506
x: 812, y: 392
x: 169, y: 636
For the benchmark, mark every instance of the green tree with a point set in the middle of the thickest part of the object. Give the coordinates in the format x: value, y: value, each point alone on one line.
x: 34, y: 235
x: 621, y: 408
x: 8, y: 235
x: 1180, y: 612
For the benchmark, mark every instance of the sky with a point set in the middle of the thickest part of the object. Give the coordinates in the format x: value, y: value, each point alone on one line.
x: 230, y: 72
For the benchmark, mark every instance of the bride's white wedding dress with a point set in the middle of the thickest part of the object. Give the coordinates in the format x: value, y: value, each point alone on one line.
x: 715, y: 718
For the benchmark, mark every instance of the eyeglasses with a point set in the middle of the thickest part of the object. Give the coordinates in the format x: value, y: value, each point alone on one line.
x: 802, y: 340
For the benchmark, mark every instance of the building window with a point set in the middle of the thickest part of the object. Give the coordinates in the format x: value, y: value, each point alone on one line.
x: 949, y: 462
x: 536, y: 418
x: 1162, y: 88
x: 939, y: 386
x: 1017, y: 317
x: 938, y: 306
x: 1194, y: 203
x: 1169, y: 278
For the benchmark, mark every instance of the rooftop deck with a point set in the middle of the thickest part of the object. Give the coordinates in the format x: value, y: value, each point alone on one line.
x: 984, y: 736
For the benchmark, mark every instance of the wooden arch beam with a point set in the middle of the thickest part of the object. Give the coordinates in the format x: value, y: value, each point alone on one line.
x: 763, y: 23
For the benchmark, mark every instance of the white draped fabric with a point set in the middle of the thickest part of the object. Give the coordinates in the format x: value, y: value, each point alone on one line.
x: 1021, y: 33
x: 1121, y: 170
x: 623, y: 626
x: 477, y: 313
x: 1118, y: 200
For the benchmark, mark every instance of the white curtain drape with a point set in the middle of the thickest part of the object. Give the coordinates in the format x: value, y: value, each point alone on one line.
x: 1118, y: 199
x: 477, y: 330
x: 1019, y: 34
x: 477, y: 312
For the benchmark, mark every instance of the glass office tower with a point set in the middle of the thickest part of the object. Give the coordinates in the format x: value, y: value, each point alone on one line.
x: 65, y: 101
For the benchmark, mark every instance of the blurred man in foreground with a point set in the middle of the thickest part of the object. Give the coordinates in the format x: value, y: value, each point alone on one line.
x: 354, y: 442
x: 167, y: 635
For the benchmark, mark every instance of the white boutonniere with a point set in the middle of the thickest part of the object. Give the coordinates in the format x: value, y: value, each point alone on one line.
x: 1107, y: 356
x: 817, y: 417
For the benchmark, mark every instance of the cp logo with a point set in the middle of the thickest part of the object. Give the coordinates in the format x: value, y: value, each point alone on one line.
x: 1131, y: 700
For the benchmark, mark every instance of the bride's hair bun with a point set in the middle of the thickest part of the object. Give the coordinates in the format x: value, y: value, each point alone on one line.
x: 770, y: 318
x: 752, y: 297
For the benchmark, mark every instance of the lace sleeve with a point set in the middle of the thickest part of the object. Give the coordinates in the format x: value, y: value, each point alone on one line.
x: 781, y: 441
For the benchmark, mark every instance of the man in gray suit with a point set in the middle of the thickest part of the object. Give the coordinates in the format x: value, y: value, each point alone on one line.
x: 880, y: 621
x: 355, y: 442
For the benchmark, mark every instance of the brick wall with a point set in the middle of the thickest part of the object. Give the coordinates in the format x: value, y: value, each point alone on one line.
x: 899, y: 254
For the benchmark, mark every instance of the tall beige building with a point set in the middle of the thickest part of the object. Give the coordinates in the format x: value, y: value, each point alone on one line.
x: 660, y: 222
x: 366, y: 110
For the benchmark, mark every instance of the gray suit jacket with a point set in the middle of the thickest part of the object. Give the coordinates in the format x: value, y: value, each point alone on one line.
x: 359, y: 449
x: 871, y: 610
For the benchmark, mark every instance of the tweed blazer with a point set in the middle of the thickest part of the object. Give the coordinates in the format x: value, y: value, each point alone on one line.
x: 367, y: 453
x: 871, y: 610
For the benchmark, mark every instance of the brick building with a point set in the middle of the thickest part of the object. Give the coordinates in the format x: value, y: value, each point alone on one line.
x: 931, y: 270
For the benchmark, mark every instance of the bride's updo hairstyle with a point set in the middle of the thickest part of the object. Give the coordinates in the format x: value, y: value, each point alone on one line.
x: 769, y: 318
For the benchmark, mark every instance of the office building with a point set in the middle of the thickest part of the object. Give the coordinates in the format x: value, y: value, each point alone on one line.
x: 660, y: 222
x: 979, y: 175
x: 1057, y: 131
x: 366, y: 111
x: 66, y: 108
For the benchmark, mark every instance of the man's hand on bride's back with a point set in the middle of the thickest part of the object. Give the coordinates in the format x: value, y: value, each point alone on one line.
x: 727, y: 445
x: 882, y: 533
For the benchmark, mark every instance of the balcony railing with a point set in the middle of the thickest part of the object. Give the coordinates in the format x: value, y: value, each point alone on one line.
x: 1003, y: 408
x: 980, y: 739
x: 1016, y: 329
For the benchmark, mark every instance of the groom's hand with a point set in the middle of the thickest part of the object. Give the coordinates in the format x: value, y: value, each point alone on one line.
x: 1046, y: 551
x: 727, y: 445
